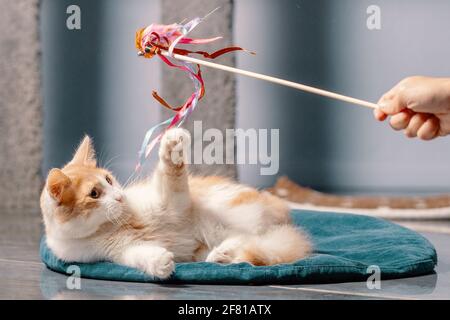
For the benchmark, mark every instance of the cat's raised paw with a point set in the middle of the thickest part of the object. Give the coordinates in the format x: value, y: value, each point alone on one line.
x: 174, y: 146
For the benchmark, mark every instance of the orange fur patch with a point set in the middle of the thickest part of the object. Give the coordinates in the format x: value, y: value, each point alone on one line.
x: 278, y: 207
x: 75, y: 183
x: 200, y: 251
x: 245, y: 197
x: 254, y: 257
x: 199, y: 185
x: 205, y: 182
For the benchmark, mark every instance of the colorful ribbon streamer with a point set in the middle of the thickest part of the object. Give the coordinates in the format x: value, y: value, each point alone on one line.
x: 151, y: 41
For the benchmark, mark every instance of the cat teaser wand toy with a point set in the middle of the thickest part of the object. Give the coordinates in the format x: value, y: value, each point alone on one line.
x: 161, y: 40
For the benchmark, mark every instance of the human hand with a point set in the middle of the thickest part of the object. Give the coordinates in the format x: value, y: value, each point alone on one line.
x: 418, y: 105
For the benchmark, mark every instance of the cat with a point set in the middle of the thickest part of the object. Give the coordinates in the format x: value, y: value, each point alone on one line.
x: 166, y: 218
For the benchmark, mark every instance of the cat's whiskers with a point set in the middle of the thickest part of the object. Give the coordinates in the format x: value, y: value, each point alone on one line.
x: 125, y: 224
x: 117, y: 220
x: 126, y: 183
x: 111, y: 214
x: 101, y: 155
x: 132, y: 179
x: 109, y: 162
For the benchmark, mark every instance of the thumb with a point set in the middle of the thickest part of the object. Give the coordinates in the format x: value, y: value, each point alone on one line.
x: 391, y: 104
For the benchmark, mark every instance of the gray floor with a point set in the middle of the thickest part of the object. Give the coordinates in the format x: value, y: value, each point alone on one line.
x: 23, y: 276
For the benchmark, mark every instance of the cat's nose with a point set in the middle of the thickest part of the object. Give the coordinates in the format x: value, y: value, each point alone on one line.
x: 118, y: 197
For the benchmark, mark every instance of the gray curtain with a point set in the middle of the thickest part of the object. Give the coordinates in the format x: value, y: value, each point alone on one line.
x: 20, y: 105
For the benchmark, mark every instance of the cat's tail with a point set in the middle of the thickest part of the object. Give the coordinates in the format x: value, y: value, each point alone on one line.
x: 280, y: 244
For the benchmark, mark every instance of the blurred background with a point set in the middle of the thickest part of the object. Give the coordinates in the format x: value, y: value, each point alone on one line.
x: 57, y: 84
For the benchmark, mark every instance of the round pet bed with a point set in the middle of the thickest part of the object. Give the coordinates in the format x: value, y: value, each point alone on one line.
x: 346, y: 248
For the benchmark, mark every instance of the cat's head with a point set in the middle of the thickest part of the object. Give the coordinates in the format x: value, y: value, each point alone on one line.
x: 80, y: 198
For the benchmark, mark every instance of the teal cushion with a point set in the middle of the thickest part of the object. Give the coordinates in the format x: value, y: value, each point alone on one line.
x: 345, y: 246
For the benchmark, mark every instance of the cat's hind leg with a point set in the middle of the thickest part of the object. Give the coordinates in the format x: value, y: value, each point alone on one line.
x: 280, y: 244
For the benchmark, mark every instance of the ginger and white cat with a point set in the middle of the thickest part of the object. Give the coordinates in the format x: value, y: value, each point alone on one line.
x: 169, y: 217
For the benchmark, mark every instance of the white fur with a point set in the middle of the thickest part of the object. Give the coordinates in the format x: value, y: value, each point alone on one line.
x: 152, y: 259
x: 176, y: 220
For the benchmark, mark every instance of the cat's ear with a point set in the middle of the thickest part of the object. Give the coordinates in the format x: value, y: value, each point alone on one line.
x: 85, y: 154
x: 57, y: 184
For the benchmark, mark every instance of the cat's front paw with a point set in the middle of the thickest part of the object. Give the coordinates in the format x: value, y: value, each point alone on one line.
x: 155, y: 261
x: 160, y: 265
x: 174, y: 147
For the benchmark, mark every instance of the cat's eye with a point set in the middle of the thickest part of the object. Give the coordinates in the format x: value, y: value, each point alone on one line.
x: 109, y: 180
x: 95, y: 194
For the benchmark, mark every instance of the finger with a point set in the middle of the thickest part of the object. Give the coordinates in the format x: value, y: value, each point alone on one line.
x: 400, y: 120
x: 379, y: 115
x: 444, y: 124
x: 429, y: 130
x: 417, y: 121
x: 391, y: 103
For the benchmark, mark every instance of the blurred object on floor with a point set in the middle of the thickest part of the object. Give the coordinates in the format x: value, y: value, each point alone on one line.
x: 435, y: 226
x: 397, y: 208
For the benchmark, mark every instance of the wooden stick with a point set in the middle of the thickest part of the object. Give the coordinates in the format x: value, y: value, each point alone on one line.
x: 282, y: 82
